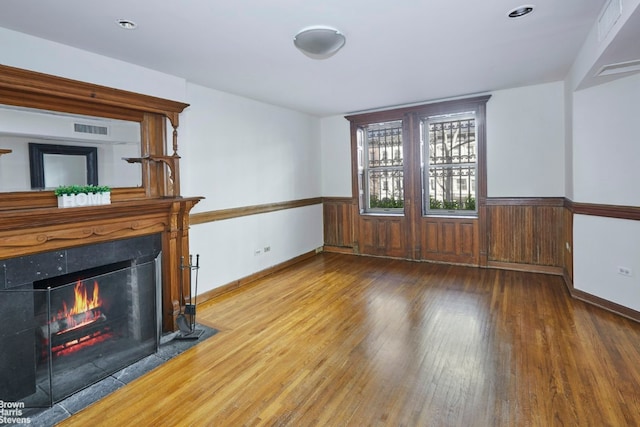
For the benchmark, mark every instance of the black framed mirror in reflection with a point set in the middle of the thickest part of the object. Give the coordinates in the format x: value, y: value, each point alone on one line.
x: 65, y: 147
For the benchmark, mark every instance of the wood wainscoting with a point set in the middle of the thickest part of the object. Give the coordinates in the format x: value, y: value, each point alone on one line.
x: 337, y: 215
x: 452, y: 240
x: 381, y: 235
x: 519, y: 234
x: 526, y: 234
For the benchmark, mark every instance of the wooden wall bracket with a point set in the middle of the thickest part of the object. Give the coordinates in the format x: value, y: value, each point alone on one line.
x: 172, y: 163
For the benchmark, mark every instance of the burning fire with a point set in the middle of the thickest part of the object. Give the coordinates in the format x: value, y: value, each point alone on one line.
x: 72, y: 328
x: 84, y: 310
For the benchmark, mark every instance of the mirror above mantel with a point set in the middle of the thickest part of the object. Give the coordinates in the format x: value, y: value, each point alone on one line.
x: 134, y: 156
x: 62, y: 141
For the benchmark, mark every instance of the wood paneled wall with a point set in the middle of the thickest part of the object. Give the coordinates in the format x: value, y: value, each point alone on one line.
x: 382, y: 235
x: 526, y: 232
x: 452, y: 240
x: 338, y: 221
x: 521, y: 233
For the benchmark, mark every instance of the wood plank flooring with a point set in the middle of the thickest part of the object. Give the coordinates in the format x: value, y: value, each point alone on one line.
x: 341, y: 340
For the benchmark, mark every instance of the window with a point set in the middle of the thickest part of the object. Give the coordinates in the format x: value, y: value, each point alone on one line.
x: 381, y: 167
x: 422, y: 160
x: 449, y: 163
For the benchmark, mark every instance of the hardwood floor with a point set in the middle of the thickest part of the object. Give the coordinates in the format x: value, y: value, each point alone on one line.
x: 341, y: 340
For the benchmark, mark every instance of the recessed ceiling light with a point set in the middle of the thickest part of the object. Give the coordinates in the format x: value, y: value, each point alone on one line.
x: 126, y: 24
x: 521, y: 11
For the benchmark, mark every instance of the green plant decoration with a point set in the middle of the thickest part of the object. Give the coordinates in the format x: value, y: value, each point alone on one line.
x: 78, y: 189
x: 385, y: 202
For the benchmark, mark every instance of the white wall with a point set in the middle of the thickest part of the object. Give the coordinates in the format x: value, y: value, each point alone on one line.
x: 601, y: 245
x: 568, y: 140
x: 239, y: 152
x: 336, y: 156
x: 228, y: 248
x: 606, y: 145
x: 606, y: 149
x: 525, y: 142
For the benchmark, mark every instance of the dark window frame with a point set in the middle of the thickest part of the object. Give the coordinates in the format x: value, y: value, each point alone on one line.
x: 411, y: 116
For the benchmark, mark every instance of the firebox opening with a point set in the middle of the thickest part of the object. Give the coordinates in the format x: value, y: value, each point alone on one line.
x: 79, y: 315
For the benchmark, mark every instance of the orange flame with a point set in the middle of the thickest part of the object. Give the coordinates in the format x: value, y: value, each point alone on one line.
x: 85, y: 310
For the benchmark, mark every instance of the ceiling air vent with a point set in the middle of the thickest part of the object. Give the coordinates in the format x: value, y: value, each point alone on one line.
x: 619, y: 68
x: 92, y: 129
x: 608, y: 17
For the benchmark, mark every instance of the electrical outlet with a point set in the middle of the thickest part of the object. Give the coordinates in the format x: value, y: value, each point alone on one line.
x: 625, y: 271
x: 257, y: 252
x: 267, y: 249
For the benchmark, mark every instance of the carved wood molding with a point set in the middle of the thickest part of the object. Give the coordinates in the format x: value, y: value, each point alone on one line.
x: 41, y: 230
x: 81, y: 235
x: 37, y: 88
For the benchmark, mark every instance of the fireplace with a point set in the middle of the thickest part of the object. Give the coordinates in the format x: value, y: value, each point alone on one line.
x: 72, y: 317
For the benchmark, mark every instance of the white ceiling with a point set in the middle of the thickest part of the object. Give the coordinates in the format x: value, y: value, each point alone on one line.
x: 397, y: 51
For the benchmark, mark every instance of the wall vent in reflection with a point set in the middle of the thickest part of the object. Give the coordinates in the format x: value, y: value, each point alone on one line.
x: 619, y: 68
x: 92, y: 129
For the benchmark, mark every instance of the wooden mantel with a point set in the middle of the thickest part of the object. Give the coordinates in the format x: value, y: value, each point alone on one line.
x: 32, y: 231
x: 30, y: 221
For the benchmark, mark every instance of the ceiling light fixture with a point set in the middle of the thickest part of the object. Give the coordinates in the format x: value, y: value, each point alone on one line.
x: 319, y: 42
x: 126, y: 24
x: 521, y: 11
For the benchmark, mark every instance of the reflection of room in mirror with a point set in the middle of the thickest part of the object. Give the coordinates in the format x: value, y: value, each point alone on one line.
x: 114, y: 140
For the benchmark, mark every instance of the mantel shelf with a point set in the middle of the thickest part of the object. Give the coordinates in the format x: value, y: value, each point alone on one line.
x: 41, y: 217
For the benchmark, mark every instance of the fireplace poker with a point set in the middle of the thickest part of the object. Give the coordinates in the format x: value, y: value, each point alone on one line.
x: 195, y: 294
x: 190, y: 309
x: 181, y: 320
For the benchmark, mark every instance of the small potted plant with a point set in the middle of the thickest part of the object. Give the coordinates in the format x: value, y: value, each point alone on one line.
x: 71, y: 196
